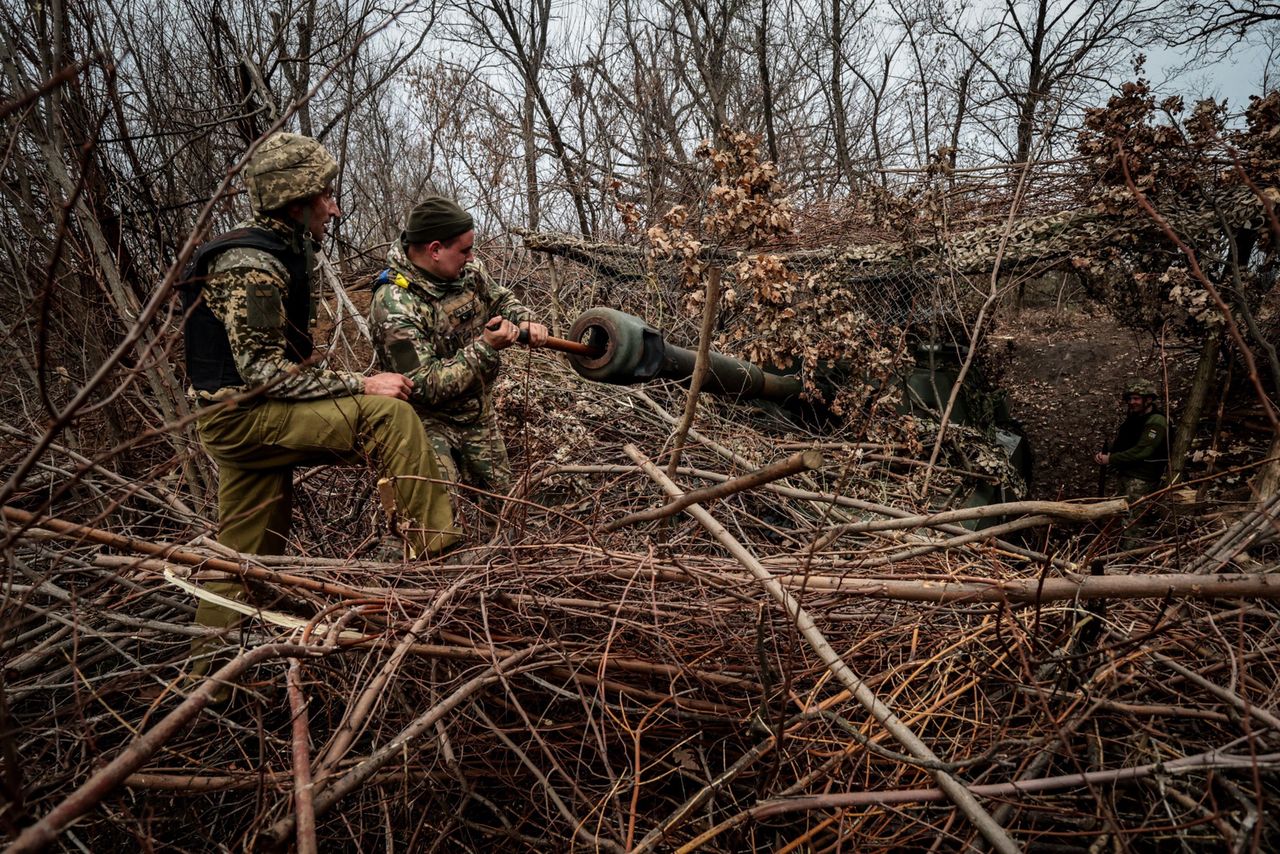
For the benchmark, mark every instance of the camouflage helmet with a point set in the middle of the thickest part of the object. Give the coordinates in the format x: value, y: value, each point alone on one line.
x: 1142, y: 387
x: 287, y: 167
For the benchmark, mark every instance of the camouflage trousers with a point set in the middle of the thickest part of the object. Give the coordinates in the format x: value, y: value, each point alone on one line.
x: 471, y: 453
x: 257, y: 447
x: 1135, y: 488
x: 1138, y: 524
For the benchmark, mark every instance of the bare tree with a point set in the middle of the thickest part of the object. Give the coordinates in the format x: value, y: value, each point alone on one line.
x: 1041, y: 57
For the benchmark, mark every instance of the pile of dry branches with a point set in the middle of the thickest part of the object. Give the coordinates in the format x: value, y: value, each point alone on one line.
x: 816, y: 662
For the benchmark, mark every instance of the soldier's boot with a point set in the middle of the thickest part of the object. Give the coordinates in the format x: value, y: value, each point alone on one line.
x: 254, y: 507
x: 209, y: 653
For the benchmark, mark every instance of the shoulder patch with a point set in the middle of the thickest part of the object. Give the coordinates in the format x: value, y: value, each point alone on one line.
x: 400, y: 280
x: 245, y: 258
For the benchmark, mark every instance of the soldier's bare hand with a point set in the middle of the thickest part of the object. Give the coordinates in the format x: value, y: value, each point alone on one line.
x: 1101, y: 459
x: 388, y: 385
x: 537, y: 333
x: 500, y: 333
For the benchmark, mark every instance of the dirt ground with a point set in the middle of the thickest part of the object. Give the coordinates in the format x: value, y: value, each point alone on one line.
x: 1064, y: 370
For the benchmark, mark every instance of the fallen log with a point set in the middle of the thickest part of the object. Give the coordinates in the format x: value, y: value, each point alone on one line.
x: 73, y: 530
x: 1034, y: 591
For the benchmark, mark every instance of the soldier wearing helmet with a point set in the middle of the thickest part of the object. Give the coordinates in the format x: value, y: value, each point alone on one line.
x: 1140, y: 450
x: 268, y: 403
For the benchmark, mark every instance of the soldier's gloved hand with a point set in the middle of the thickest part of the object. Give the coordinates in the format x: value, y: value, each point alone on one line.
x: 500, y: 333
x: 388, y: 385
x: 537, y: 333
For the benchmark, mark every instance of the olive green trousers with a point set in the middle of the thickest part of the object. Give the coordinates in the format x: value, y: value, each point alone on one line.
x: 257, y: 447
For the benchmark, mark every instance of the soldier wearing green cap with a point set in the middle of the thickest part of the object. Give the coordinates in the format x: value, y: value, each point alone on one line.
x: 267, y: 401
x: 440, y: 319
x: 1140, y: 450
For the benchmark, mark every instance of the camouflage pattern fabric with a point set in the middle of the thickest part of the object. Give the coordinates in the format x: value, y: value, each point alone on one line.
x: 309, y: 415
x: 430, y: 331
x: 1139, y: 522
x: 1146, y: 388
x: 244, y: 292
x: 474, y: 454
x: 1135, y: 488
x: 286, y: 168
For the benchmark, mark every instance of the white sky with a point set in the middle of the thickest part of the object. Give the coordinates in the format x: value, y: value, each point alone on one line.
x: 1235, y: 76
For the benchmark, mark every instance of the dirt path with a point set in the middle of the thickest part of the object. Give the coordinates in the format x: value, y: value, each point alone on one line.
x: 1064, y: 374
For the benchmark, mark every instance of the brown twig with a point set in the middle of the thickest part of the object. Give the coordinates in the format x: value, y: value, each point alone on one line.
x: 1211, y: 759
x: 105, y: 781
x: 798, y: 462
x: 305, y: 832
x: 702, y: 359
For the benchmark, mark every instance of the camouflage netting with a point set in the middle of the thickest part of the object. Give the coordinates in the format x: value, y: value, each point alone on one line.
x: 897, y: 283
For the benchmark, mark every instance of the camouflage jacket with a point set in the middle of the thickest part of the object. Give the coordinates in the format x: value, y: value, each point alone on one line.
x: 244, y: 291
x: 430, y: 331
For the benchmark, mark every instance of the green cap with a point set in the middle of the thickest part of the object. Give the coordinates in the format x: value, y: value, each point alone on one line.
x: 435, y: 218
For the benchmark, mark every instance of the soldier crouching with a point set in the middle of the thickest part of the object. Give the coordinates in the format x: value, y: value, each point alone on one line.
x: 438, y: 318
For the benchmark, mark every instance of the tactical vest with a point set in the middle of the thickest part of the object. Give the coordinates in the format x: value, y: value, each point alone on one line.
x: 210, y: 364
x: 464, y: 315
x: 458, y: 317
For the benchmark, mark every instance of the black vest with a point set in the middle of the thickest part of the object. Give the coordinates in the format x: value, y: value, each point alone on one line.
x: 210, y: 365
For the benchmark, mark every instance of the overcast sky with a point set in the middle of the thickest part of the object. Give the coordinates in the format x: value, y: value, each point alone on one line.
x: 1235, y: 77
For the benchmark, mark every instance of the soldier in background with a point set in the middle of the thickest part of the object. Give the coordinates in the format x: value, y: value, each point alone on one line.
x: 438, y: 318
x: 268, y: 403
x: 1140, y: 450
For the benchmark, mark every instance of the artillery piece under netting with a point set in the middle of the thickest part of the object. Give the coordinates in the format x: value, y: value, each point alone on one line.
x: 611, y: 346
x: 912, y: 287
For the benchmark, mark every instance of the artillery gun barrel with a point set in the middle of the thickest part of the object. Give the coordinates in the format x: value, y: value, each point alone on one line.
x: 622, y: 349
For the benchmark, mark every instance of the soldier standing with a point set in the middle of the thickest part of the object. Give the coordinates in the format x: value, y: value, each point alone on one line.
x: 1140, y: 450
x: 268, y: 403
x: 439, y: 318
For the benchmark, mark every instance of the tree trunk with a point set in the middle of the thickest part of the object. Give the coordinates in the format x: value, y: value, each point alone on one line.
x: 766, y: 85
x: 1201, y: 385
x: 839, y: 119
x: 1268, y: 483
x: 532, y: 210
